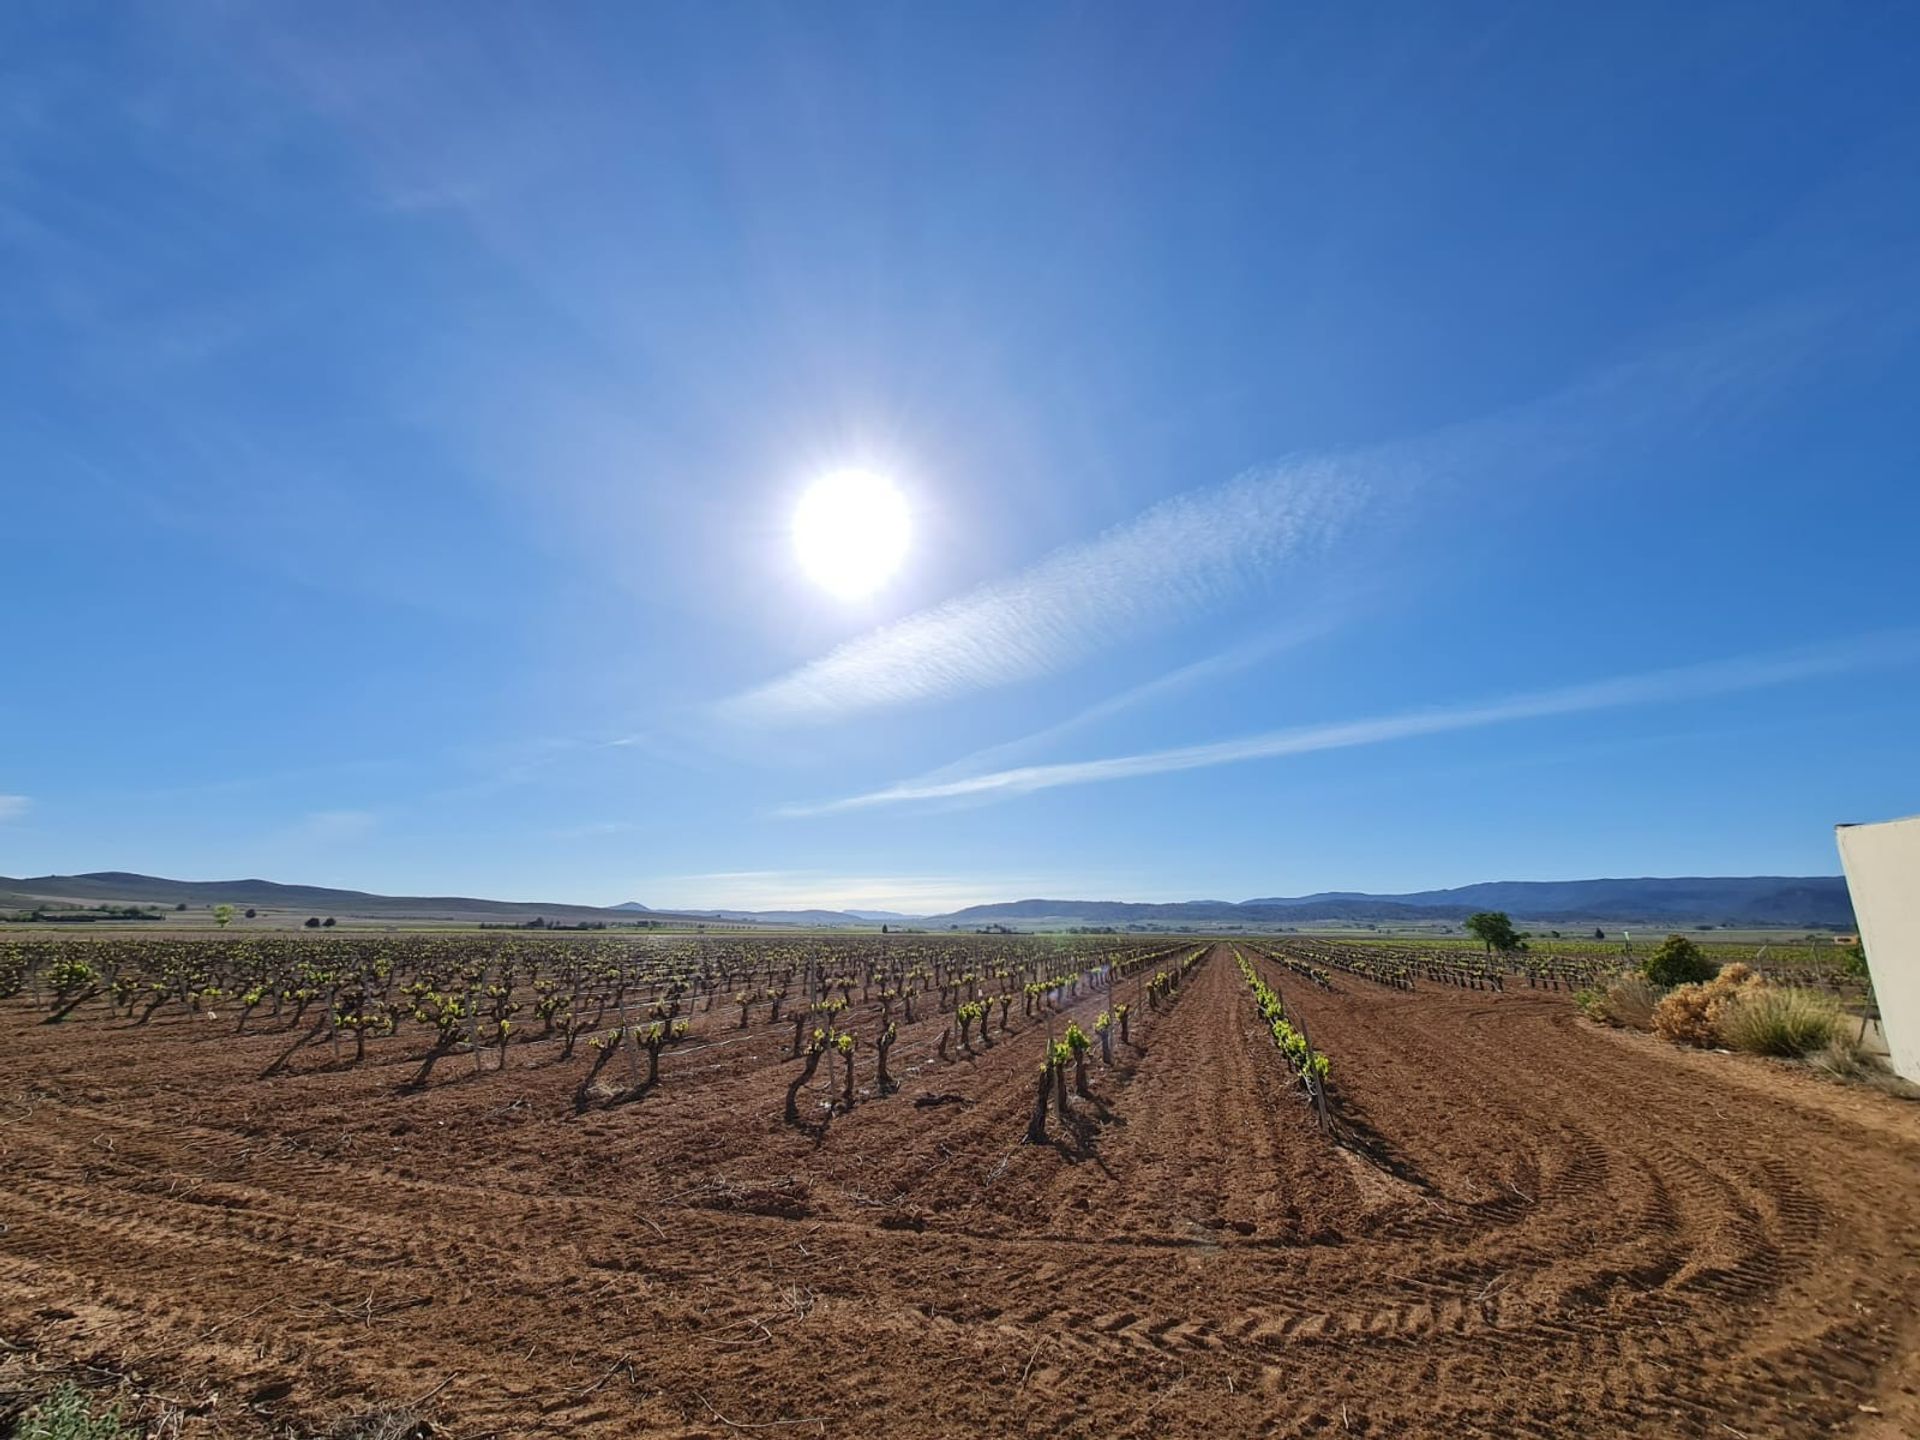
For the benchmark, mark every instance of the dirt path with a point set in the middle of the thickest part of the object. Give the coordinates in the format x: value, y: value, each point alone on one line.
x: 1561, y: 1232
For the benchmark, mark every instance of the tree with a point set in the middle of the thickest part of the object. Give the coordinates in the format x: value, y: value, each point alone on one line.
x: 313, y: 922
x: 1854, y: 963
x: 1598, y: 933
x: 181, y: 906
x: 223, y: 915
x: 1494, y: 929
x: 328, y: 922
x: 252, y: 914
x: 1678, y: 961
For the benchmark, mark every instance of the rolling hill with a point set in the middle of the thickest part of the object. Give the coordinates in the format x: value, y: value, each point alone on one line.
x: 1794, y: 901
x: 122, y: 887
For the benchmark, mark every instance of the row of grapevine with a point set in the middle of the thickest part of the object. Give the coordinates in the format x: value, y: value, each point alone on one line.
x: 1309, y: 956
x: 1310, y: 1066
x: 439, y: 996
x: 1071, y: 1049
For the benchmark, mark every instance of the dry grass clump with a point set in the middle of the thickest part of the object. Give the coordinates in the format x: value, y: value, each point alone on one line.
x: 1630, y: 1001
x: 1780, y: 1021
x: 1691, y: 1014
x: 382, y: 1425
x: 1847, y: 1059
x: 1627, y: 1001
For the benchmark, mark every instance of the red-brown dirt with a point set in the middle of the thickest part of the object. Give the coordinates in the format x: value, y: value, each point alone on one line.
x: 1537, y: 1229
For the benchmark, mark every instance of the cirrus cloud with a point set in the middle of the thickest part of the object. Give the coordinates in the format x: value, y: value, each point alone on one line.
x: 1179, y: 558
x: 1693, y: 682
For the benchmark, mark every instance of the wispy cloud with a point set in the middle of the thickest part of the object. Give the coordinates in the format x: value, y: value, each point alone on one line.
x: 1184, y: 556
x: 12, y: 807
x: 1202, y: 550
x: 1160, y: 687
x: 1656, y: 687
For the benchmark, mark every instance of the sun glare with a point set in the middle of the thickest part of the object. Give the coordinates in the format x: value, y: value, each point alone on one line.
x: 851, y: 532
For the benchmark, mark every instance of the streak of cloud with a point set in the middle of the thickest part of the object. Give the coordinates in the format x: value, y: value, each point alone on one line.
x: 12, y: 807
x: 1160, y: 687
x: 1180, y: 558
x: 1202, y: 550
x: 1695, y: 682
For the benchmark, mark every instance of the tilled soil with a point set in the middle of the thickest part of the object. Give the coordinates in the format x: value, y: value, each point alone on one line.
x: 1529, y: 1227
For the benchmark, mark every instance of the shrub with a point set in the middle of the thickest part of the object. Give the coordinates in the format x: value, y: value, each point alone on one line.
x: 65, y: 1415
x: 1682, y: 1017
x: 1593, y: 1005
x: 1678, y: 961
x: 1853, y: 961
x: 1691, y: 1014
x: 1783, y: 1021
x: 1854, y: 964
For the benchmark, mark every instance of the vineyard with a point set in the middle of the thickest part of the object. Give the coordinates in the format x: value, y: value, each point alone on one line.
x: 519, y: 1184
x: 1814, y: 962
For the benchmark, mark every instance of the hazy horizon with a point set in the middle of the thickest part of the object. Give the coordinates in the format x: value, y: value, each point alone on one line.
x: 798, y: 898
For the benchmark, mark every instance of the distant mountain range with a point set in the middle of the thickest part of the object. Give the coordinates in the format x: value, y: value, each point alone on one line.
x: 1766, y: 899
x: 1818, y: 900
x: 1790, y: 901
x: 121, y: 887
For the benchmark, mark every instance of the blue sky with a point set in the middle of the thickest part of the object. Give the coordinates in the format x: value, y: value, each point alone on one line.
x: 1348, y: 447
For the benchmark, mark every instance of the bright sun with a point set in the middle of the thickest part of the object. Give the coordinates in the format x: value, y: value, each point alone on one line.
x: 851, y: 531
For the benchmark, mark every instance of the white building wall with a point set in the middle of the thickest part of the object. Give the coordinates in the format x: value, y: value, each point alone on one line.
x: 1883, y: 873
